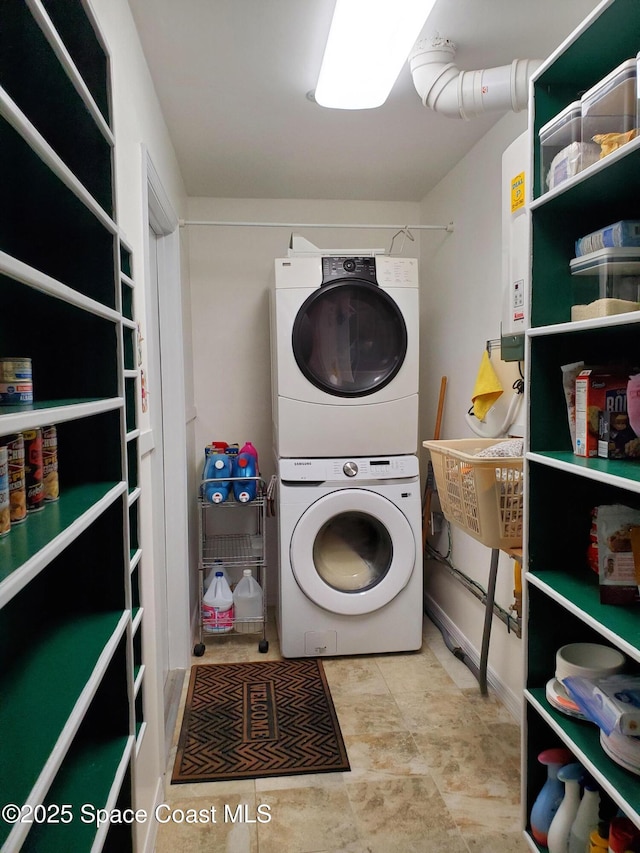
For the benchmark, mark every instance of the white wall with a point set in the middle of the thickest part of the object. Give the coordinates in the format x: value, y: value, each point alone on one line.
x: 138, y: 120
x: 461, y: 310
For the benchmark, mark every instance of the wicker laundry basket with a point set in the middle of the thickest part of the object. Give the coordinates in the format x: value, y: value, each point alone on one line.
x: 482, y: 495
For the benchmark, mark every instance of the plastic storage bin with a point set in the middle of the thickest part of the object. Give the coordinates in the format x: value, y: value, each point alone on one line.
x: 610, y: 109
x: 609, y: 283
x: 562, y: 152
x: 482, y: 495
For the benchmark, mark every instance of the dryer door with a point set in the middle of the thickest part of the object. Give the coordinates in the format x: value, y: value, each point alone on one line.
x: 349, y: 338
x: 352, y: 551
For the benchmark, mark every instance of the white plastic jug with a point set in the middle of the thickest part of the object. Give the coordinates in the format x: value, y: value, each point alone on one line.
x: 248, y: 603
x: 217, y: 607
x: 211, y: 574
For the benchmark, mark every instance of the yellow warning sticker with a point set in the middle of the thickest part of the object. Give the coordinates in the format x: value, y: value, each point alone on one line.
x: 517, y: 192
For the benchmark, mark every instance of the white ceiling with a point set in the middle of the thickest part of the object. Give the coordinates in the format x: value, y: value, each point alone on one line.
x: 232, y: 78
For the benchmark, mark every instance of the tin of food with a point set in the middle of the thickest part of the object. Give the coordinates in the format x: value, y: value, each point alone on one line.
x: 50, y: 463
x: 5, y: 512
x: 16, y: 381
x: 17, y: 489
x: 33, y: 469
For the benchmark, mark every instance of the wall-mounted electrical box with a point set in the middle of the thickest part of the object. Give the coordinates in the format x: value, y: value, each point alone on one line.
x: 516, y: 242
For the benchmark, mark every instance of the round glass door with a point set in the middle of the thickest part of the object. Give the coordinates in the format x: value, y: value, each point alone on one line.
x: 352, y: 552
x: 349, y: 338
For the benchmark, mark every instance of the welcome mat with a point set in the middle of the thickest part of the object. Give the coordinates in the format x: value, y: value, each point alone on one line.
x: 250, y: 720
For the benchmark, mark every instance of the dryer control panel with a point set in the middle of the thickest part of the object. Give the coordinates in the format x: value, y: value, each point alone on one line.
x: 344, y: 470
x: 335, y: 268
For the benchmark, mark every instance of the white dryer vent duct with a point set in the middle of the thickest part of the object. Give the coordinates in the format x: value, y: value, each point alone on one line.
x: 467, y: 94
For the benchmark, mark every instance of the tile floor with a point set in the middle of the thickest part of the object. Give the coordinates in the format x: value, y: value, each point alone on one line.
x: 434, y: 767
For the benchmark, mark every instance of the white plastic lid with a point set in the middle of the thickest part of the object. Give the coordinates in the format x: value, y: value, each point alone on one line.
x: 572, y: 112
x: 626, y: 71
x: 619, y: 260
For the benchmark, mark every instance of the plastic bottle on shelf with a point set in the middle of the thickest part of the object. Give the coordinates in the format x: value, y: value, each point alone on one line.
x: 217, y: 607
x: 245, y: 466
x: 587, y: 817
x: 211, y: 575
x: 248, y: 603
x: 550, y: 796
x: 247, y: 447
x: 217, y: 466
x: 560, y: 828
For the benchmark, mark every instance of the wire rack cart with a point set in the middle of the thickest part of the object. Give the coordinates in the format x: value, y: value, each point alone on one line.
x: 232, y: 538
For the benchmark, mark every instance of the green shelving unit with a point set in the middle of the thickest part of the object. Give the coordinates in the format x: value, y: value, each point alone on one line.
x: 561, y: 593
x: 72, y: 678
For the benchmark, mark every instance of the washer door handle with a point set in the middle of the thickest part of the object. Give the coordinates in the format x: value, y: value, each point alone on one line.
x: 350, y: 469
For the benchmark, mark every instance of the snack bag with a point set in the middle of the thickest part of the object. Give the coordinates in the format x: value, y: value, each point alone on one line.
x: 617, y: 532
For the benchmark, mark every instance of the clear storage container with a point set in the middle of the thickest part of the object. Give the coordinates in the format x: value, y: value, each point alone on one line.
x: 610, y: 109
x: 562, y: 152
x: 609, y: 283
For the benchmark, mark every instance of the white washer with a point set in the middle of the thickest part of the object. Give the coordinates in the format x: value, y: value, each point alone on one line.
x: 344, y: 338
x: 350, y: 576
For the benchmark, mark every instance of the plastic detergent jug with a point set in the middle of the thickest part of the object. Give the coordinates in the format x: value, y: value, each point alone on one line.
x: 211, y: 575
x: 247, y: 600
x: 217, y: 466
x: 245, y: 466
x: 247, y: 447
x: 217, y: 607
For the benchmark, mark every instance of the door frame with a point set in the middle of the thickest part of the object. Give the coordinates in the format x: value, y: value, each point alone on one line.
x: 158, y: 214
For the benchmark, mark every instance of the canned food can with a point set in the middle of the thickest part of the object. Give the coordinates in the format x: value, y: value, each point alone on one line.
x: 16, y: 382
x: 33, y: 469
x: 5, y: 511
x: 17, y: 489
x: 50, y: 463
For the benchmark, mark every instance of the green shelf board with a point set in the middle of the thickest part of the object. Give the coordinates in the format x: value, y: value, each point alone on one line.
x: 624, y: 469
x: 583, y: 592
x: 85, y: 779
x: 586, y: 737
x: 39, y: 529
x: 40, y: 691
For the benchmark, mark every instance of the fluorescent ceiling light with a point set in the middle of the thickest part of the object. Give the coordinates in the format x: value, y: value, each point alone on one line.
x: 368, y: 43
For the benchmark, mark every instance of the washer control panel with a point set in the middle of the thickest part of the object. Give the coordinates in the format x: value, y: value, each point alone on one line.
x: 343, y: 470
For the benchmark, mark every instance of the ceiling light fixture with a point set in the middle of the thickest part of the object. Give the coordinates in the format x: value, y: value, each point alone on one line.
x: 368, y: 43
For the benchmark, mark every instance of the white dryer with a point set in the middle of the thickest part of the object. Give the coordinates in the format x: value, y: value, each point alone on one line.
x: 350, y: 565
x: 344, y: 338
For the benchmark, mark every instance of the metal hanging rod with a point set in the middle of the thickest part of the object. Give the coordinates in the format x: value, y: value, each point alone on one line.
x: 183, y: 222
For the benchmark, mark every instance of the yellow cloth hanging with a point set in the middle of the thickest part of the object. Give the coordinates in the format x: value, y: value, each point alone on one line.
x: 487, y: 389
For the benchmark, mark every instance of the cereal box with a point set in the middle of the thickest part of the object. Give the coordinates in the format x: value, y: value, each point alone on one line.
x: 597, y: 390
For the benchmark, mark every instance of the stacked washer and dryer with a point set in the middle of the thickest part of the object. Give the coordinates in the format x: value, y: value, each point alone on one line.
x: 344, y: 337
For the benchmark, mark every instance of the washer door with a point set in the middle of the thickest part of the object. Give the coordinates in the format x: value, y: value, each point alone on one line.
x: 352, y: 551
x: 349, y: 338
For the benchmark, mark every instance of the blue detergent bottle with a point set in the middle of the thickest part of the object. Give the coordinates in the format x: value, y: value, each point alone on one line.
x: 245, y: 466
x: 218, y: 467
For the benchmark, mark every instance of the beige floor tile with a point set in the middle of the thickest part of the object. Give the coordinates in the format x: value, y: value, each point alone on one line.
x: 202, y: 824
x: 413, y: 674
x: 305, y: 820
x: 483, y: 815
x: 368, y: 713
x: 402, y: 815
x: 352, y: 676
x: 445, y: 711
x: 507, y: 842
x: 472, y: 763
x: 383, y: 755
